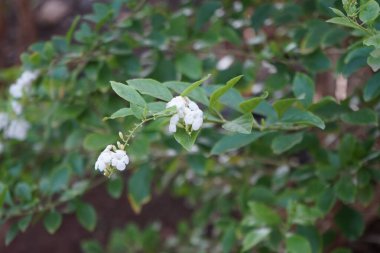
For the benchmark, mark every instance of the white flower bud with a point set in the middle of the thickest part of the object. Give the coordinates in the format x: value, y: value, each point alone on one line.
x: 117, y: 159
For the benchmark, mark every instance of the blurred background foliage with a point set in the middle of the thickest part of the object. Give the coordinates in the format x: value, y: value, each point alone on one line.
x: 311, y: 190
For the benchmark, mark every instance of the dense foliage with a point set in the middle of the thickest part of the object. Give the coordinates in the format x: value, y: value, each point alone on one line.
x: 280, y: 164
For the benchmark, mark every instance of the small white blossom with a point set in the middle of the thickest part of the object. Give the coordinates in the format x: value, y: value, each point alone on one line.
x: 23, y: 83
x: 4, y: 120
x: 120, y: 160
x: 225, y: 62
x: 238, y: 6
x: 104, y: 159
x: 17, y: 107
x: 187, y: 111
x: 108, y: 158
x: 17, y: 129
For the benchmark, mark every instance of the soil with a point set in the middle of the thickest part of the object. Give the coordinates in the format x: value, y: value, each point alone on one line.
x: 111, y: 214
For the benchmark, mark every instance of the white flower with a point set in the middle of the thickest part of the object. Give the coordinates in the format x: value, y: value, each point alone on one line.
x: 108, y: 158
x: 187, y: 111
x: 17, y: 129
x: 120, y: 160
x: 4, y: 120
x: 104, y: 159
x: 16, y: 90
x: 225, y: 62
x: 173, y: 123
x: 17, y: 107
x: 23, y: 83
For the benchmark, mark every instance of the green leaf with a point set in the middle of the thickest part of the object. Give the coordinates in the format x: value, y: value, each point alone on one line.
x: 95, y: 141
x: 282, y: 143
x: 115, y: 187
x: 193, y: 86
x: 297, y: 244
x: 91, y: 246
x: 254, y: 237
x: 283, y: 105
x: 350, y: 222
x: 369, y: 11
x: 263, y: 214
x: 327, y: 108
x: 344, y: 21
x: 23, y: 191
x: 186, y: 140
x: 138, y: 111
x: 341, y: 250
x: 347, y: 147
x: 303, y: 88
x: 128, y: 93
x: 189, y: 65
x: 296, y: 116
x: 372, y: 88
x: 374, y: 60
x: 3, y: 193
x: 250, y: 104
x: 52, y: 221
x: 345, y: 190
x: 59, y: 179
x: 69, y: 34
x: 198, y: 94
x: 121, y: 113
x: 86, y: 215
x: 233, y: 142
x: 243, y: 124
x: 338, y: 12
x: 361, y: 117
x: 302, y: 214
x: 214, y: 97
x: 228, y: 239
x: 152, y: 88
x: 11, y: 234
x: 139, y: 188
x: 373, y: 40
x: 23, y: 223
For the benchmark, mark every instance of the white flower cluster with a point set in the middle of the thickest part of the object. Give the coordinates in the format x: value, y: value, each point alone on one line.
x: 17, y: 128
x: 112, y: 158
x: 23, y: 83
x: 187, y: 111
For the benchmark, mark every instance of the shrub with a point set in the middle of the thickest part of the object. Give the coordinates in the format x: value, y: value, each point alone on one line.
x: 263, y: 155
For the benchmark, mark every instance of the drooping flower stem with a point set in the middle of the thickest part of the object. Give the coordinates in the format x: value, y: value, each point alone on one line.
x: 131, y: 132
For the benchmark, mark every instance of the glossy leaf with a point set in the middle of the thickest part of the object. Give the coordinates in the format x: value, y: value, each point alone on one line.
x: 139, y: 188
x: 185, y: 139
x: 285, y: 142
x: 250, y: 104
x: 152, y: 88
x: 86, y: 215
x: 128, y: 93
x: 233, y: 142
x: 193, y: 86
x: 222, y: 90
x: 254, y: 237
x: 362, y: 117
x: 296, y: 244
x: 303, y: 88
x: 243, y: 124
x: 296, y: 116
x: 52, y: 221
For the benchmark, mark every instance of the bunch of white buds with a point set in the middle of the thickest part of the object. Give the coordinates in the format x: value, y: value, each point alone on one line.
x: 111, y: 158
x: 23, y: 83
x: 188, y: 113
